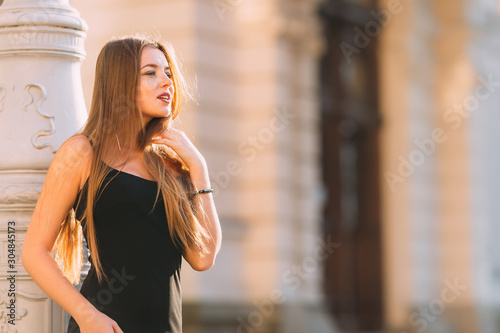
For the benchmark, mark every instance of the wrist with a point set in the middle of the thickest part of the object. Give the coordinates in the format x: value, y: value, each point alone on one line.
x: 200, y: 177
x: 86, y: 312
x: 199, y: 167
x: 201, y: 182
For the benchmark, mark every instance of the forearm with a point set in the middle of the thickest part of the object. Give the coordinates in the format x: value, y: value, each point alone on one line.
x: 49, y: 277
x: 210, y: 221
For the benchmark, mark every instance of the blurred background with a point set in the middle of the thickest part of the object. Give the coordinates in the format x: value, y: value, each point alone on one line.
x: 351, y: 144
x: 352, y: 147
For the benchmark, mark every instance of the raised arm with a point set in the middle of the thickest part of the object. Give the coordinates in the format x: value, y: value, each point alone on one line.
x: 210, y: 222
x: 66, y: 175
x: 180, y: 143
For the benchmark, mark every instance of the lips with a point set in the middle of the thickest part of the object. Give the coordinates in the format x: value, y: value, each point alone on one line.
x: 165, y: 97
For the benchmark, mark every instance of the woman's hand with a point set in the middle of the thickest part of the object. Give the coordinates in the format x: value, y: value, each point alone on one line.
x: 98, y: 322
x: 178, y: 141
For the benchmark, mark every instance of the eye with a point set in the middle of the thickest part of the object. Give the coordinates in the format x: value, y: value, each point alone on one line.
x: 169, y: 74
x: 150, y: 73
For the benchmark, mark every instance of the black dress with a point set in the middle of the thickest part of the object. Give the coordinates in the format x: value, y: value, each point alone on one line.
x: 143, y: 294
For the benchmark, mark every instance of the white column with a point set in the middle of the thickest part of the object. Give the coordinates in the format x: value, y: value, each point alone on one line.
x: 482, y: 125
x: 41, y: 105
x: 423, y: 212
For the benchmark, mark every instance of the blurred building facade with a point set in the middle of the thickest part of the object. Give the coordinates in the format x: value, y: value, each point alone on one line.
x: 438, y: 91
x: 351, y: 147
x: 422, y: 123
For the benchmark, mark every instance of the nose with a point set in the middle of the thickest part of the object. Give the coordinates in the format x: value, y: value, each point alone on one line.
x: 165, y: 80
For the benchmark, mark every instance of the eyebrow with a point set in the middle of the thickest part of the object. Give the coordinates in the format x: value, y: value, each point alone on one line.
x: 154, y: 65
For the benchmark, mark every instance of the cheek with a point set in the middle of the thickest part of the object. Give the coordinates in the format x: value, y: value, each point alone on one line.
x: 146, y: 90
x: 147, y: 85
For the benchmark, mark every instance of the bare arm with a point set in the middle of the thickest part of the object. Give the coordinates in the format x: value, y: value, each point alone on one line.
x: 59, y: 191
x: 180, y: 143
x: 210, y: 222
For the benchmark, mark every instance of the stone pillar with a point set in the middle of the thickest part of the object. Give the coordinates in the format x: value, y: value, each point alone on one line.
x: 479, y: 117
x: 41, y: 105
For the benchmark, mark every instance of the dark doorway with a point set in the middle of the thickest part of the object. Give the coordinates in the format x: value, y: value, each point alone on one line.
x: 350, y: 158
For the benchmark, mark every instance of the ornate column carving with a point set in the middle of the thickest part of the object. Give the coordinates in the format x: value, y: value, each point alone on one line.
x: 41, y: 105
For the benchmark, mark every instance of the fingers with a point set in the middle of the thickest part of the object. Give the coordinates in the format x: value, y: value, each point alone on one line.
x: 167, y: 142
x: 172, y: 136
x: 174, y: 132
x: 166, y: 135
x: 169, y: 135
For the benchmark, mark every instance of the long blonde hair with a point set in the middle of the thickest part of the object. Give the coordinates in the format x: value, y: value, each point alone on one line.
x: 114, y: 122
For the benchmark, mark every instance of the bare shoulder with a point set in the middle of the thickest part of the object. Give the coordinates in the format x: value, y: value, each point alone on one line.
x: 74, y: 157
x: 76, y: 149
x: 78, y: 142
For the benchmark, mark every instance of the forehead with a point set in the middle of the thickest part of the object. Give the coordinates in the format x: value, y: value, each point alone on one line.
x: 151, y: 55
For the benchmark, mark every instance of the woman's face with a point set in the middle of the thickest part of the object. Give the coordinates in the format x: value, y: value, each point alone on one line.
x: 156, y: 88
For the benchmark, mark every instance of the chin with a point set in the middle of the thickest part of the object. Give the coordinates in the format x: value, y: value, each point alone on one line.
x: 164, y: 115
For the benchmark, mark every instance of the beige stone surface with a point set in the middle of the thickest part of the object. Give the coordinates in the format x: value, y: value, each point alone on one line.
x: 396, y: 235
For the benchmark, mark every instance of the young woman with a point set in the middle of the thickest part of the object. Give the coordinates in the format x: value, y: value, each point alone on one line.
x: 137, y: 189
